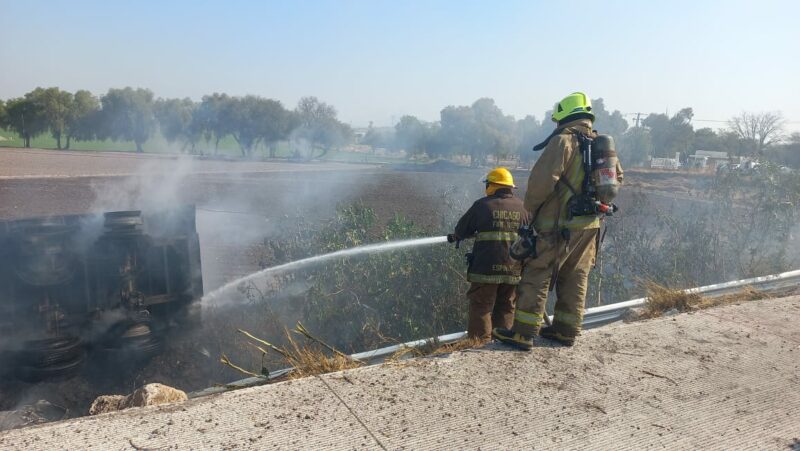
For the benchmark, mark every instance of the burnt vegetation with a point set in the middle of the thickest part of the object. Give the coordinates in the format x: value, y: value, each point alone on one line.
x: 738, y: 227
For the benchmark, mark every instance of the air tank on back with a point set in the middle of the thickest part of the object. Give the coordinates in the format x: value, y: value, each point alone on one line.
x: 604, y: 168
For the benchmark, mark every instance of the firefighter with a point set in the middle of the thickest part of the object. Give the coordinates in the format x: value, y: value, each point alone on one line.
x: 493, y: 221
x: 566, y: 246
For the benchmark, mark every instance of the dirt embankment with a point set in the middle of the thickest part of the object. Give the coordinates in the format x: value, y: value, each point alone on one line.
x: 676, y: 182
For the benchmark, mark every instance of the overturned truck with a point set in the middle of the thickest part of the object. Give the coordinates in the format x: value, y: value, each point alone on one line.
x: 97, y: 288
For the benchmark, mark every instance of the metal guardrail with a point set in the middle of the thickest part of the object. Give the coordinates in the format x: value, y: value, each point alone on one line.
x: 764, y: 283
x: 604, y: 314
x: 593, y: 317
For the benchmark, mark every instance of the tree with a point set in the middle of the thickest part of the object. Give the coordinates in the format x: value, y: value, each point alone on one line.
x: 635, y: 146
x: 277, y: 123
x: 175, y: 120
x: 759, y: 129
x: 670, y: 135
x: 682, y: 131
x: 478, y: 130
x: 437, y: 147
x: 83, y: 119
x: 254, y: 119
x: 379, y: 137
x: 412, y: 135
x: 54, y: 104
x: 529, y: 133
x: 24, y: 116
x: 245, y: 125
x: 660, y: 132
x: 731, y: 142
x: 495, y: 129
x: 707, y: 139
x: 127, y: 114
x: 613, y: 124
x: 787, y: 153
x: 319, y: 127
x: 3, y: 117
x: 456, y: 131
x: 213, y: 118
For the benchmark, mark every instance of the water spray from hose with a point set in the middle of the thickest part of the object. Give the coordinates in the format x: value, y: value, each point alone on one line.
x: 310, y: 261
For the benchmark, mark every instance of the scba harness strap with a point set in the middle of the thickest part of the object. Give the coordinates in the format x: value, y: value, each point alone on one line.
x: 579, y: 204
x: 525, y: 245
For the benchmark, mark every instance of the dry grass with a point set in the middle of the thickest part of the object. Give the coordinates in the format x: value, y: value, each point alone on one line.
x: 747, y: 293
x: 311, y: 360
x: 305, y: 359
x: 406, y: 352
x: 460, y: 345
x: 317, y: 357
x: 661, y: 299
x: 436, y: 348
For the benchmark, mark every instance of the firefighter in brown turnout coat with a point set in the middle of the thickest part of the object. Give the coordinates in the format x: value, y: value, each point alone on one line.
x: 493, y: 221
x: 566, y: 207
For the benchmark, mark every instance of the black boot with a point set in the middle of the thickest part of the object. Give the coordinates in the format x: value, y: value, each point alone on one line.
x: 512, y: 338
x: 551, y: 333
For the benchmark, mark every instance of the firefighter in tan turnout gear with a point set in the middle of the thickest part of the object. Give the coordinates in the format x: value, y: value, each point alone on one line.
x: 493, y: 221
x: 565, y: 212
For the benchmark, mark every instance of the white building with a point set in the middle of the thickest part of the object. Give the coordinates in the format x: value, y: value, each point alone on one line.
x: 707, y: 159
x: 666, y: 163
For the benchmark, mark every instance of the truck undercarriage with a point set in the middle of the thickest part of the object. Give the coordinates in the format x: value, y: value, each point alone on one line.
x: 100, y: 288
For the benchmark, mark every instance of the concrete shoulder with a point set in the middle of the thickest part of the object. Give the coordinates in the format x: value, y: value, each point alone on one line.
x: 724, y: 378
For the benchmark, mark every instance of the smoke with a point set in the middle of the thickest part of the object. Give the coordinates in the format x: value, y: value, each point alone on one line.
x: 239, y: 210
x: 227, y: 238
x: 301, y: 146
x: 241, y: 207
x: 158, y: 184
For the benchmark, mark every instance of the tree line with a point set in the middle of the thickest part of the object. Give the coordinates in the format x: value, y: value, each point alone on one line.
x: 129, y: 114
x: 480, y: 131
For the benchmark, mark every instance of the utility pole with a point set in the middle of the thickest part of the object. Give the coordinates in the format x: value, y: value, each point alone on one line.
x: 638, y: 118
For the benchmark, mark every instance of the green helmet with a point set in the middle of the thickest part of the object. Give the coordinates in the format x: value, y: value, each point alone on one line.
x: 575, y: 103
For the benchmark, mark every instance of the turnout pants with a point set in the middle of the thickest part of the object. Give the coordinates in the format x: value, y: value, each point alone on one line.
x: 576, y: 259
x: 490, y: 305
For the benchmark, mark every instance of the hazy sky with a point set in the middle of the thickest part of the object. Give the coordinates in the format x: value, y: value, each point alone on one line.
x: 377, y: 60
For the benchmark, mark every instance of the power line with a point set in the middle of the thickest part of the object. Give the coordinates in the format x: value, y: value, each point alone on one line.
x: 723, y: 121
x: 717, y: 120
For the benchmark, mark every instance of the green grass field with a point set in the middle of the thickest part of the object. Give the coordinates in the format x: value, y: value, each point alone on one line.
x: 157, y: 144
x: 48, y: 142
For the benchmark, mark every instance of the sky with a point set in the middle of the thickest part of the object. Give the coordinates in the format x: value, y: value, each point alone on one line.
x: 379, y: 60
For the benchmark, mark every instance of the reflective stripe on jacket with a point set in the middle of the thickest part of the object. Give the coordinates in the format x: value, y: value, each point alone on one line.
x: 563, y: 150
x: 493, y: 221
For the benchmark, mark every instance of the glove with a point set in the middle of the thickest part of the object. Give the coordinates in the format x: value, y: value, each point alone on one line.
x: 451, y: 238
x: 523, y: 247
x: 525, y: 244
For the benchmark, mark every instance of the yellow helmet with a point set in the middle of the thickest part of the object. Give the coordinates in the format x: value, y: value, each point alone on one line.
x: 577, y: 102
x: 500, y: 176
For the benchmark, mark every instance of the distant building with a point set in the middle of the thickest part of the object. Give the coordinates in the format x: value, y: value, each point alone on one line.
x: 666, y: 163
x: 708, y: 159
x: 360, y: 133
